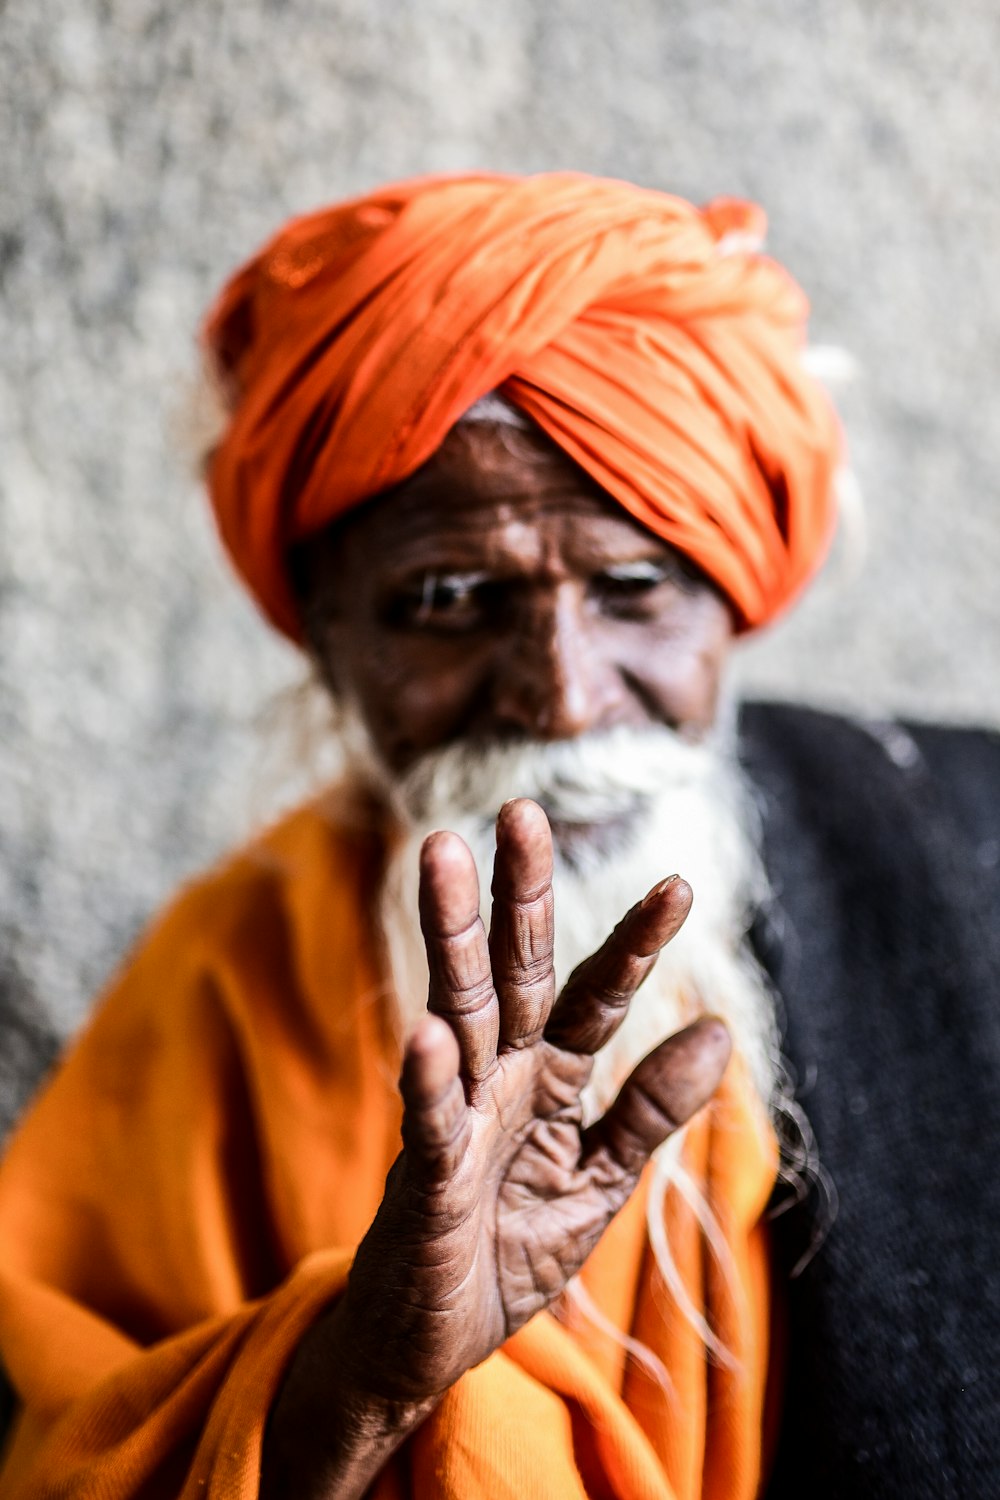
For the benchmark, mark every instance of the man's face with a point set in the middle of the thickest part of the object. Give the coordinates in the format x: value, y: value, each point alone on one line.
x: 500, y: 595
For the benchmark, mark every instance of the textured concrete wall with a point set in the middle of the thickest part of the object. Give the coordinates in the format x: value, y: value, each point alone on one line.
x: 148, y: 144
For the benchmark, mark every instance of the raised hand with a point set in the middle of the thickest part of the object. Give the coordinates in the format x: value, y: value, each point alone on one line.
x: 500, y: 1193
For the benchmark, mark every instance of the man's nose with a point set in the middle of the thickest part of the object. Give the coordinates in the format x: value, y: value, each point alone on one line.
x: 549, y: 682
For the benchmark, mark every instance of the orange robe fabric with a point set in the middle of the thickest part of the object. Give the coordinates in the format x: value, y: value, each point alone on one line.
x: 185, y: 1196
x: 648, y: 338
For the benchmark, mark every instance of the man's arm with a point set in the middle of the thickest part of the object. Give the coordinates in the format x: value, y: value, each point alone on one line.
x: 500, y: 1192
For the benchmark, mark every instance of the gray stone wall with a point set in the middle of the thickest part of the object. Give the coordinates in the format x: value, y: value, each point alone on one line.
x: 147, y: 145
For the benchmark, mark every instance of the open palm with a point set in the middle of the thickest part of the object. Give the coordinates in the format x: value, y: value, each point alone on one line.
x: 500, y: 1193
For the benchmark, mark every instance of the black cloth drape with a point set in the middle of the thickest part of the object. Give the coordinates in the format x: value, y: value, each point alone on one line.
x: 883, y: 847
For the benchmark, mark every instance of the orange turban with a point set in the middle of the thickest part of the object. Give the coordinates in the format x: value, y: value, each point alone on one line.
x: 647, y: 337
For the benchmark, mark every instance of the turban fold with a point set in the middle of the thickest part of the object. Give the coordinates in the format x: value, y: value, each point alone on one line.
x: 648, y: 338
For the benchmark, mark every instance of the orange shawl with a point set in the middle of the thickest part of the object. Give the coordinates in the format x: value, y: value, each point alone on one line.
x: 185, y: 1195
x: 647, y: 337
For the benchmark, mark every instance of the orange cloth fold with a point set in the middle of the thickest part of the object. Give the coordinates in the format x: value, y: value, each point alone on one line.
x: 185, y: 1197
x: 647, y: 337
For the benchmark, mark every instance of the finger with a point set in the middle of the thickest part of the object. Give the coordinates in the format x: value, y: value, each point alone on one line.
x: 461, y: 986
x: 598, y: 993
x: 521, y: 930
x: 436, y: 1116
x: 662, y: 1093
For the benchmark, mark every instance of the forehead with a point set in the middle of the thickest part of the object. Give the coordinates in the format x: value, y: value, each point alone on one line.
x: 497, y: 493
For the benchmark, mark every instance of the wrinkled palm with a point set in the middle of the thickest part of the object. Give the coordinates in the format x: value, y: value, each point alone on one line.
x: 499, y: 1194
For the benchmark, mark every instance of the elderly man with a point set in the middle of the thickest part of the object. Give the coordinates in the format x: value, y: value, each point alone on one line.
x: 514, y: 460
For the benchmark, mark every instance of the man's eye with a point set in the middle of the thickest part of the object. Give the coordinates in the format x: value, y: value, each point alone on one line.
x: 628, y: 585
x: 450, y: 601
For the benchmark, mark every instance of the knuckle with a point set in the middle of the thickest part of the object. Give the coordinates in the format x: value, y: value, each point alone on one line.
x: 527, y: 972
x: 582, y: 995
x: 644, y: 1102
x: 465, y: 996
x: 440, y: 932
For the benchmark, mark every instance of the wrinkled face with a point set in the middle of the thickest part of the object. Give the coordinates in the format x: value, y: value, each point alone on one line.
x: 499, y: 594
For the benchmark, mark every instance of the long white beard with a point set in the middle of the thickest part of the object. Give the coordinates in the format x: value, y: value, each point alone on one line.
x: 628, y: 808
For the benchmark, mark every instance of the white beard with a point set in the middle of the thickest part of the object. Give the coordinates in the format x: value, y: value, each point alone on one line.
x: 628, y: 808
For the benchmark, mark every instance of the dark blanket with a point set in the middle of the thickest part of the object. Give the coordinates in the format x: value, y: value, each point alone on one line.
x: 883, y: 846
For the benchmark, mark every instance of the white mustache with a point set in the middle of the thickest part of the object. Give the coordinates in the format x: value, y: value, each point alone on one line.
x: 599, y: 778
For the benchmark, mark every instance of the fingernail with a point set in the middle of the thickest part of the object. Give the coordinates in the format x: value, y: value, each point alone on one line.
x: 658, y: 890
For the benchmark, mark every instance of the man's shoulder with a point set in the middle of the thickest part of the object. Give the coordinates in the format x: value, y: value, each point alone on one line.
x: 298, y: 884
x: 249, y: 940
x: 326, y: 842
